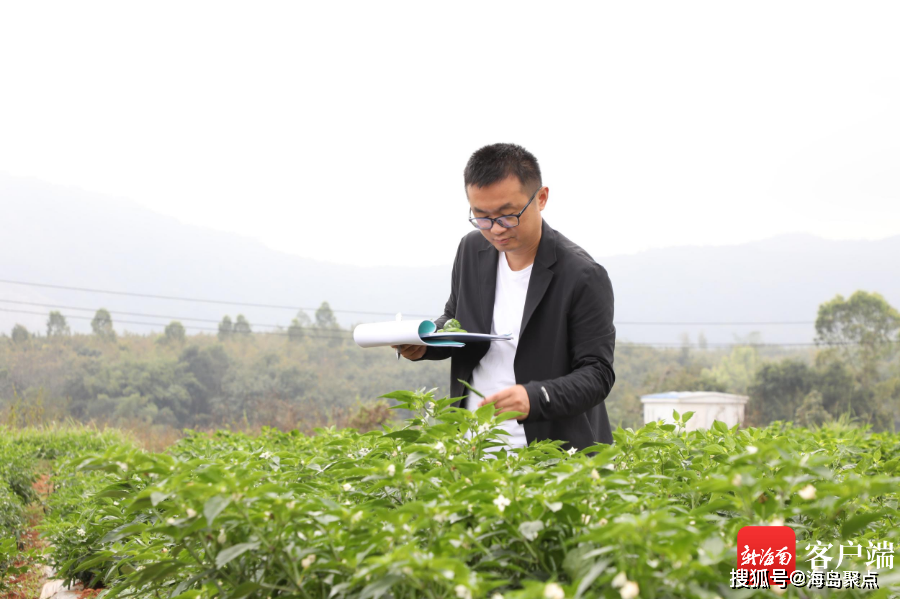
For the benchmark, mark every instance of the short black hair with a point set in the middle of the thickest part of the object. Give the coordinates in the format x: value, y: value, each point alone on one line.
x: 496, y: 162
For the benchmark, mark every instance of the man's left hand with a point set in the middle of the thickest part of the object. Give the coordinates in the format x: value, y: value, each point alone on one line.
x: 513, y: 398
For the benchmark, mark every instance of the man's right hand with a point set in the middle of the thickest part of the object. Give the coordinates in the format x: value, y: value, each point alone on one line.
x: 411, y: 351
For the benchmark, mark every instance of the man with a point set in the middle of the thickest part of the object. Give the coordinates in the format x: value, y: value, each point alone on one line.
x: 515, y: 274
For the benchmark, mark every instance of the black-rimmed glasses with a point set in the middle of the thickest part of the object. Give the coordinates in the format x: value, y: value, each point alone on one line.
x: 506, y: 221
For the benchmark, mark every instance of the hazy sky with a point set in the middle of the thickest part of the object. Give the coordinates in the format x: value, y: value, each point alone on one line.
x: 339, y: 131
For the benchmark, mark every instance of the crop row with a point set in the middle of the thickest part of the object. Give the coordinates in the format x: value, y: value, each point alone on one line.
x: 23, y: 453
x: 422, y: 511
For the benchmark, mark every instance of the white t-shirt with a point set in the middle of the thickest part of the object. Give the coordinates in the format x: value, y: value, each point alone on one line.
x: 495, y: 372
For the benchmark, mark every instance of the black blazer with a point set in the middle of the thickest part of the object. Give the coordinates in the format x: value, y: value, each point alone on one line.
x: 565, y: 353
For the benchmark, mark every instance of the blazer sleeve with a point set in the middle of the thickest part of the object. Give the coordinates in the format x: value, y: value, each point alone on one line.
x: 436, y: 352
x: 592, y: 341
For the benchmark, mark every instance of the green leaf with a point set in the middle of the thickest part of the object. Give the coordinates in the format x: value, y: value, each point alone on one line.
x: 414, y: 458
x: 244, y: 590
x: 377, y: 588
x: 406, y: 435
x: 486, y: 412
x: 229, y: 554
x: 595, y: 571
x: 402, y: 395
x: 157, y: 497
x: 858, y: 522
x: 466, y: 383
x: 714, y: 449
x: 213, y: 507
x: 122, y: 532
x: 101, y: 557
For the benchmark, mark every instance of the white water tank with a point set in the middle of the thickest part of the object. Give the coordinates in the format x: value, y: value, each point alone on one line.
x: 707, y: 407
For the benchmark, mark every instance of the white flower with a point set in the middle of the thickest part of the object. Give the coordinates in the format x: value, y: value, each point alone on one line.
x: 571, y: 451
x: 222, y: 537
x: 170, y: 521
x: 446, y: 573
x: 630, y: 590
x: 752, y: 449
x: 807, y: 493
x: 530, y: 529
x: 347, y: 487
x: 115, y: 502
x: 627, y: 589
x: 553, y: 590
x: 391, y: 469
x: 497, y: 596
x: 356, y: 517
x: 439, y: 447
x: 363, y: 451
x: 429, y: 407
x: 777, y: 522
x: 736, y: 480
x: 585, y: 518
x: 602, y: 522
x: 81, y: 532
x: 191, y: 513
x: 291, y: 505
x: 463, y: 592
x: 306, y: 562
x: 502, y: 502
x: 265, y: 455
x: 595, y: 475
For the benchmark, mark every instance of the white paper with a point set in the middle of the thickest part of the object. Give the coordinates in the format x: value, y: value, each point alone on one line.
x: 393, y: 333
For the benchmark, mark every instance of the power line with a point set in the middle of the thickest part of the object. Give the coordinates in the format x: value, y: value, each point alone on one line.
x: 715, y: 322
x: 131, y: 314
x: 361, y: 312
x: 340, y: 333
x: 306, y: 332
x: 207, y: 301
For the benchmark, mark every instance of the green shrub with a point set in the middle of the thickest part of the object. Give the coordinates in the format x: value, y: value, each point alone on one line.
x: 420, y: 511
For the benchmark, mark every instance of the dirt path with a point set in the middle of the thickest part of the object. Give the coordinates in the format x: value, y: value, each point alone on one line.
x: 38, y: 581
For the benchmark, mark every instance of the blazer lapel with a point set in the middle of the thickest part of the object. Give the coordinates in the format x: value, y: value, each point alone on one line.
x: 541, y: 275
x: 487, y: 285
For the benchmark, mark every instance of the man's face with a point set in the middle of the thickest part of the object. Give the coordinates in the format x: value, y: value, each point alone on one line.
x: 507, y: 197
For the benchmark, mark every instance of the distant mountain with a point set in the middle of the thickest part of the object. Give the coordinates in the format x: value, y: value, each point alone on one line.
x: 780, y: 279
x: 65, y: 236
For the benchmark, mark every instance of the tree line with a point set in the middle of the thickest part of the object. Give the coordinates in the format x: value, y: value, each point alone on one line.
x: 313, y: 368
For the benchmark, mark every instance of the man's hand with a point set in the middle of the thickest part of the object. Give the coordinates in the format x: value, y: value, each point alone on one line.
x: 411, y: 351
x: 513, y: 398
